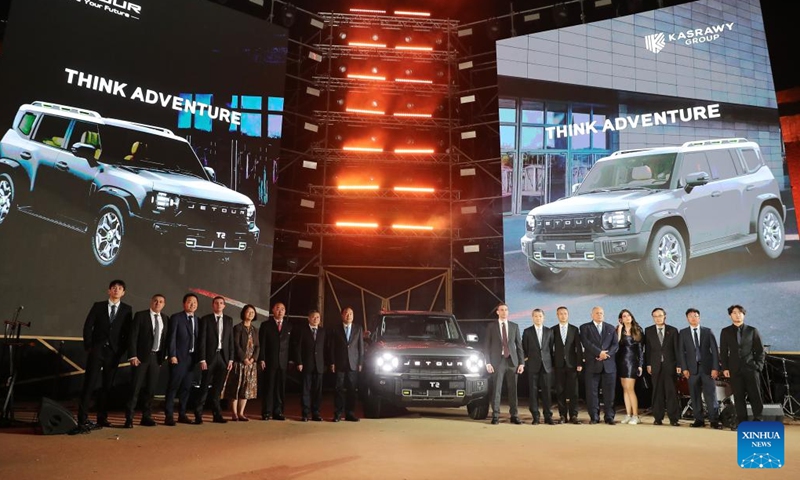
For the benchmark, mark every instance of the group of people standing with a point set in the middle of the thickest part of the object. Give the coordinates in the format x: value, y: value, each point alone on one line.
x: 225, y: 360
x: 553, y: 357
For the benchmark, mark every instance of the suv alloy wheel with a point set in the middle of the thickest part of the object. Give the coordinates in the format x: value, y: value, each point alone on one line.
x: 107, y: 236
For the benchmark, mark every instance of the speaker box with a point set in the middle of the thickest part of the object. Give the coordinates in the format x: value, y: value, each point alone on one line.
x: 55, y: 419
x: 773, y: 412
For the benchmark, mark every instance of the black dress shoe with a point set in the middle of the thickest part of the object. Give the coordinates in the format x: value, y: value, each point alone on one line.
x: 734, y: 428
x: 219, y: 420
x: 278, y: 416
x: 128, y: 423
x: 316, y: 418
x: 337, y: 417
x: 304, y: 418
x: 674, y: 423
x: 103, y: 422
x: 351, y: 418
x: 658, y: 422
x: 184, y: 419
x: 147, y: 422
x: 549, y: 421
x: 716, y: 426
x: 610, y: 421
x: 535, y: 421
x: 495, y: 420
x: 575, y: 421
x: 593, y: 422
x: 697, y: 424
x: 198, y: 421
x: 170, y: 422
x: 516, y: 421
x: 264, y: 417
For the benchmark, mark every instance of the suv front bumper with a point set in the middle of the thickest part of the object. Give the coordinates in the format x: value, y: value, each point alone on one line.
x: 213, y: 240
x: 597, y: 252
x: 407, y: 390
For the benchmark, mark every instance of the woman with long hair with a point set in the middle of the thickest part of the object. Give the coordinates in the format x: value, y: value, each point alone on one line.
x: 242, y: 383
x: 630, y: 359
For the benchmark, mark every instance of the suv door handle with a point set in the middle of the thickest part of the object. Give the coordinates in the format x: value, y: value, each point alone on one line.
x: 716, y: 194
x: 749, y: 187
x: 26, y: 155
x: 62, y: 166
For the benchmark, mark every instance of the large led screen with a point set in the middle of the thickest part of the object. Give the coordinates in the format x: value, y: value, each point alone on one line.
x: 642, y: 167
x: 139, y: 141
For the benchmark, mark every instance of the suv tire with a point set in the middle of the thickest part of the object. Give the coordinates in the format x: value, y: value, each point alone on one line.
x: 664, y: 263
x: 106, y: 237
x: 478, y: 410
x: 545, y: 274
x: 771, y: 234
x: 6, y: 197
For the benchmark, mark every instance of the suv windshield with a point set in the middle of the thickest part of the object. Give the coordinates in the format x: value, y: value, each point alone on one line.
x: 630, y: 172
x: 136, y: 149
x: 416, y: 327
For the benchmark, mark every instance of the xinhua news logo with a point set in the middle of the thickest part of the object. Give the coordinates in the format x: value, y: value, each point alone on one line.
x: 760, y: 445
x: 655, y: 42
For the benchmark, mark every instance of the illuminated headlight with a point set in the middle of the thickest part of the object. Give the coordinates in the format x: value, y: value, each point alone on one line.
x: 616, y: 220
x: 388, y: 362
x: 530, y: 222
x: 475, y: 364
x: 164, y: 201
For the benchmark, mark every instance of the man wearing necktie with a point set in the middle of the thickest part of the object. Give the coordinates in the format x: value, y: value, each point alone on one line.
x: 505, y: 359
x: 184, y: 354
x: 661, y: 354
x: 742, y: 356
x: 567, y: 362
x: 274, y: 337
x: 537, y: 342
x: 105, y: 341
x: 147, y: 346
x: 600, y: 345
x: 310, y: 358
x: 215, y: 343
x: 346, y: 353
x: 699, y: 361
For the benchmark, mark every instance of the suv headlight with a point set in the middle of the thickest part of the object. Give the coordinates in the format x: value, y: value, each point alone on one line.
x: 475, y: 364
x: 616, y: 220
x: 387, y: 362
x: 251, y: 215
x: 530, y: 222
x: 162, y: 202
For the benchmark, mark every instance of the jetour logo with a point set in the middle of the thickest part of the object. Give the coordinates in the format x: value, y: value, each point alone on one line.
x: 657, y: 41
x: 654, y: 42
x: 122, y: 8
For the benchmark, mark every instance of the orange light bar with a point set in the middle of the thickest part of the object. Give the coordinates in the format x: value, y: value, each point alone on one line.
x: 412, y: 80
x: 367, y: 44
x: 398, y: 226
x: 361, y: 110
x: 357, y: 224
x: 414, y: 189
x: 365, y: 77
x: 366, y: 10
x: 362, y: 149
x: 416, y: 49
x: 418, y: 115
x: 412, y: 14
x: 413, y: 150
x: 357, y: 187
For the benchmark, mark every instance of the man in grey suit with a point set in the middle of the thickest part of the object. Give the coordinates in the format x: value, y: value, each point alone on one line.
x: 742, y: 356
x: 347, y: 356
x: 700, y: 365
x: 661, y: 356
x: 504, y: 356
x: 537, y: 342
x: 567, y: 362
x: 600, y: 346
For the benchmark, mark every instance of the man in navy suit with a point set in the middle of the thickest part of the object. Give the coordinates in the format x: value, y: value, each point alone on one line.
x: 600, y: 346
x: 568, y: 361
x: 310, y: 355
x: 216, y: 358
x: 537, y: 342
x: 346, y: 347
x: 182, y: 340
x: 105, y: 340
x: 147, y: 347
x: 700, y: 365
x: 274, y: 339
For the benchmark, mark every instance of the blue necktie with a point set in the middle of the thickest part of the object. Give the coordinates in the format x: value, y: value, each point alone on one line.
x: 347, y: 332
x: 696, y: 346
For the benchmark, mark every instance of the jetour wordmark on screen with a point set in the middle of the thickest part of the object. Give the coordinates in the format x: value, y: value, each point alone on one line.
x: 113, y: 87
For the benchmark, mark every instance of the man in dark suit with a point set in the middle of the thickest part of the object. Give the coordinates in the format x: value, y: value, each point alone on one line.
x: 505, y: 359
x: 661, y: 356
x: 346, y: 352
x: 567, y: 362
x: 147, y: 347
x: 537, y: 342
x: 310, y: 355
x: 183, y: 351
x: 742, y: 356
x: 216, y: 358
x: 105, y: 340
x: 274, y: 339
x: 600, y: 345
x: 699, y: 361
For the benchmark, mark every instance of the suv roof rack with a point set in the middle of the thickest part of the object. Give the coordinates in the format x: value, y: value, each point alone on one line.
x: 717, y: 141
x: 152, y: 127
x: 631, y: 150
x: 66, y: 108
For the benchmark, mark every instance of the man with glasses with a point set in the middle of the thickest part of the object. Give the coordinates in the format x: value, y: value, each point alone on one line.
x: 661, y: 360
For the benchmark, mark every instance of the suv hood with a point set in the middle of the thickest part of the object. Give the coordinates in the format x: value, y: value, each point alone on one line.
x: 426, y: 348
x: 595, y: 202
x: 178, y: 184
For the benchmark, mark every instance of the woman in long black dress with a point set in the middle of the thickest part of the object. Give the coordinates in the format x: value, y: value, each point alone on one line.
x: 242, y: 381
x: 630, y: 359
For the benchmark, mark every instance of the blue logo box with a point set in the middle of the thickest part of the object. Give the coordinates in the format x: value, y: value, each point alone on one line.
x: 760, y: 445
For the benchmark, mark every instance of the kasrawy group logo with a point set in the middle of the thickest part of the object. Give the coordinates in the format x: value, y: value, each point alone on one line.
x: 120, y: 8
x: 657, y: 41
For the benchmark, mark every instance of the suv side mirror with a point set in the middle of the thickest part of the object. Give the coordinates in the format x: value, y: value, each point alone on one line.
x: 576, y: 187
x: 211, y: 173
x: 472, y: 338
x: 84, y: 150
x: 696, y: 179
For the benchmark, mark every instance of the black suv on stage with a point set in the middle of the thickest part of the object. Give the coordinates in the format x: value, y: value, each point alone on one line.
x: 104, y: 177
x: 421, y: 359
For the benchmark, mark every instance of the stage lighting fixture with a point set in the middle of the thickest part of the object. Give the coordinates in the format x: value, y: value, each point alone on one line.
x: 414, y: 189
x: 357, y: 187
x: 367, y: 10
x: 365, y: 77
x: 362, y: 149
x: 411, y: 14
x: 288, y: 15
x: 412, y: 80
x: 415, y: 48
x: 374, y: 103
x: 342, y: 68
x: 357, y: 224
x: 375, y: 37
x: 412, y: 151
x: 408, y: 71
x: 317, y: 23
x: 340, y: 101
x: 493, y: 29
x: 409, y: 105
x: 367, y: 44
x: 465, y: 32
x: 304, y: 244
x: 416, y: 115
x: 465, y: 65
x: 560, y: 14
x: 342, y: 35
x: 364, y: 111
x: 374, y: 69
x: 531, y: 17
x: 398, y: 226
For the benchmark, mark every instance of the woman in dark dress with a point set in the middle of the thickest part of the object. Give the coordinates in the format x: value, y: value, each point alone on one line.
x: 630, y: 359
x: 243, y: 379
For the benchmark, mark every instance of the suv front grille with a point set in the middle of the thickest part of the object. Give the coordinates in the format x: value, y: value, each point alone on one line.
x: 434, y: 365
x: 569, y: 224
x: 212, y: 214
